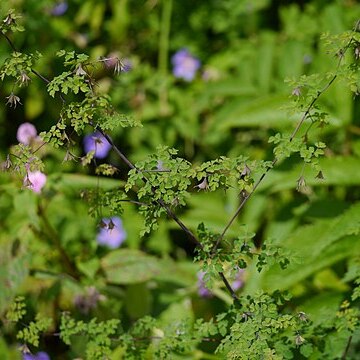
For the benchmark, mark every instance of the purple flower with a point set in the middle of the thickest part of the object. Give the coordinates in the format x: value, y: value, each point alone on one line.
x: 96, y: 142
x: 35, y: 181
x: 203, y: 291
x: 60, y: 8
x: 42, y: 355
x: 185, y: 65
x: 239, y: 280
x: 25, y: 133
x: 112, y: 233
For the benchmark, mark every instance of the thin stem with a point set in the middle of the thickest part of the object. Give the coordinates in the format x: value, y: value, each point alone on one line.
x: 9, y: 41
x: 52, y: 234
x: 164, y: 35
x: 170, y: 213
x: 275, y: 160
x: 72, y: 269
x: 228, y: 287
x: 343, y: 357
x: 163, y: 53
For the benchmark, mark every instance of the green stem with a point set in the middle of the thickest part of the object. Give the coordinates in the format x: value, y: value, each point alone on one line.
x: 163, y: 53
x: 50, y: 233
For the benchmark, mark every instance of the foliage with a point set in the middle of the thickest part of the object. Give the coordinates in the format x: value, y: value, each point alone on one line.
x: 238, y: 194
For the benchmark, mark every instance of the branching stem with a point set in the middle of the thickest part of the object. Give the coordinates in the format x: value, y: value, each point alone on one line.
x: 168, y: 210
x: 275, y: 160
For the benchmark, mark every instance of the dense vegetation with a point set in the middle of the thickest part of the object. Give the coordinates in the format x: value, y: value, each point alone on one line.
x: 179, y: 179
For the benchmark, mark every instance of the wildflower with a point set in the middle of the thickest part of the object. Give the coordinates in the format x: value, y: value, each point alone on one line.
x: 357, y: 52
x: 160, y: 165
x: 35, y: 181
x: 185, y: 65
x: 320, y: 175
x: 296, y: 91
x: 59, y: 9
x: 24, y: 78
x: 96, y: 142
x: 42, y: 355
x: 112, y: 233
x: 6, y: 165
x: 13, y: 100
x: 86, y: 302
x: 119, y: 65
x: 299, y: 340
x: 26, y: 132
x: 80, y: 71
x: 204, y: 185
x: 239, y: 280
x: 301, y: 184
x: 245, y: 172
x: 69, y: 156
x: 203, y: 291
x: 9, y: 20
x: 302, y: 316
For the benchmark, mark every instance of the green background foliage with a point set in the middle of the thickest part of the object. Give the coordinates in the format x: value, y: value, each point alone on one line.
x: 198, y: 148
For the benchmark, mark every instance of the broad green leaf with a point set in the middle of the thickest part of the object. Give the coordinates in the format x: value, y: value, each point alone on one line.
x: 13, y: 272
x: 265, y: 111
x: 76, y: 181
x: 127, y: 266
x: 336, y: 172
x: 318, y: 246
x: 275, y: 278
x: 138, y: 300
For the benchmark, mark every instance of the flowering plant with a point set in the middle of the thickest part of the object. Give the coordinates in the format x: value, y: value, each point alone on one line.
x: 222, y: 226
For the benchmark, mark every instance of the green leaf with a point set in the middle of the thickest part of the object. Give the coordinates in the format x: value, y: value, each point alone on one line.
x: 336, y: 171
x: 138, y: 300
x: 265, y: 111
x: 127, y: 266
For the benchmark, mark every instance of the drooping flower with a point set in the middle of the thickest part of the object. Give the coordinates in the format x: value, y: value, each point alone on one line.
x: 59, y: 9
x: 204, y: 185
x: 7, y: 164
x: 13, y: 100
x: 80, y: 71
x: 185, y: 65
x: 24, y: 79
x: 42, y: 355
x: 35, y: 181
x: 296, y: 91
x: 112, y: 233
x: 299, y: 340
x: 113, y: 61
x: 10, y: 19
x: 25, y: 133
x: 203, y: 291
x: 96, y: 142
